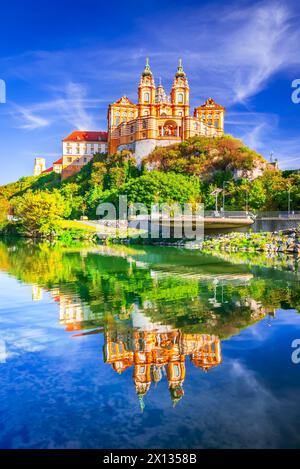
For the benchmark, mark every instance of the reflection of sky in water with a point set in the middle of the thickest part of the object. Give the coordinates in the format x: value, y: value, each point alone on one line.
x: 56, y: 391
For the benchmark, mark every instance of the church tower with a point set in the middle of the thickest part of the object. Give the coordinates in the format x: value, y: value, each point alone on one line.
x: 180, y: 93
x: 146, y: 93
x: 39, y: 166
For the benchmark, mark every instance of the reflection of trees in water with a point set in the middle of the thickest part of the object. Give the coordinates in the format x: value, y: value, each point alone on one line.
x: 185, y: 310
x: 95, y: 289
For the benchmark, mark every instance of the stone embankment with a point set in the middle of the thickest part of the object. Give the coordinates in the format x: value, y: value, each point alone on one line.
x: 282, y: 241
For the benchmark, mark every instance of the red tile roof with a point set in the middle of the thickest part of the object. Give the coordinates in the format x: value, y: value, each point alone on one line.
x: 58, y: 161
x: 84, y: 135
x: 48, y: 170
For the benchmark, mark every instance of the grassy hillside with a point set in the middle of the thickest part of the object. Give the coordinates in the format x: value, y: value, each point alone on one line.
x: 204, y: 157
x: 185, y: 172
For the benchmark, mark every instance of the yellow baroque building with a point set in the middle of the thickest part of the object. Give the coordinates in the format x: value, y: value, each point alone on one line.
x: 159, y: 119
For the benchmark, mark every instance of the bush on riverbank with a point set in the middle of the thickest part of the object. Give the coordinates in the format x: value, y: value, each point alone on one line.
x: 269, y: 242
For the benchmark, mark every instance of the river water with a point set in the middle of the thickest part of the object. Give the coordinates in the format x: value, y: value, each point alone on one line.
x: 147, y: 347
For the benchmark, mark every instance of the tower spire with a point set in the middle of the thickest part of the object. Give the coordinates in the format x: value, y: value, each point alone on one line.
x: 147, y: 69
x: 180, y: 71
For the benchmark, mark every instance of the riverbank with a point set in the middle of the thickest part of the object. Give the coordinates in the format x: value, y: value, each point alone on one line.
x: 282, y: 241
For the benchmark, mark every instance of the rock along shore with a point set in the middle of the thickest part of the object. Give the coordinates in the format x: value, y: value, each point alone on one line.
x: 282, y: 241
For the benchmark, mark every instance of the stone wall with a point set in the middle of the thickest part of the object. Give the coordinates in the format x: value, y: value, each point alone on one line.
x: 142, y: 148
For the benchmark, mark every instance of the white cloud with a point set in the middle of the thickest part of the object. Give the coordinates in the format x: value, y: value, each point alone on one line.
x: 70, y: 106
x: 29, y: 120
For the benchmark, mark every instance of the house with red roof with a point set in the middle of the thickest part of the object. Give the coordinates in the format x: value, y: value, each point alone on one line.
x: 78, y: 149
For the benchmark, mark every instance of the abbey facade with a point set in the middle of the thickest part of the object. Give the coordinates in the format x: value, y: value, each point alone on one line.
x: 158, y: 119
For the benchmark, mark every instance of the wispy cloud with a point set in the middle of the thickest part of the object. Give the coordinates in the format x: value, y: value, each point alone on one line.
x: 70, y: 105
x: 27, y: 119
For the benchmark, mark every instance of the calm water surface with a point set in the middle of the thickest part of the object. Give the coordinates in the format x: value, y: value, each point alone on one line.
x: 132, y: 347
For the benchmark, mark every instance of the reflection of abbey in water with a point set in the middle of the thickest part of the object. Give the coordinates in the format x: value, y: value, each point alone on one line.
x: 155, y: 350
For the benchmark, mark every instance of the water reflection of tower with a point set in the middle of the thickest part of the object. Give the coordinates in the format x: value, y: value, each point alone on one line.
x: 155, y: 350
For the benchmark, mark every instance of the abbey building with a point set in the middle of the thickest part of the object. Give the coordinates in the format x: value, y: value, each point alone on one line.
x: 159, y: 119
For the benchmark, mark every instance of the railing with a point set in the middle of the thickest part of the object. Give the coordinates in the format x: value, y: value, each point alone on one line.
x: 228, y: 214
x: 292, y: 215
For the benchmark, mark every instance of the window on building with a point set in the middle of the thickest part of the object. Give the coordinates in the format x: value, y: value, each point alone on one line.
x: 92, y: 149
x: 144, y: 124
x: 117, y: 121
x: 195, y: 126
x: 78, y: 149
x: 131, y: 128
x: 146, y: 113
x: 85, y: 159
x: 69, y: 159
x: 147, y: 97
x: 180, y: 113
x: 180, y: 98
x: 176, y: 371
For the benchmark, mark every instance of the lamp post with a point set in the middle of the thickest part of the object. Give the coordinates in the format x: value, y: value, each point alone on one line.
x: 216, y: 193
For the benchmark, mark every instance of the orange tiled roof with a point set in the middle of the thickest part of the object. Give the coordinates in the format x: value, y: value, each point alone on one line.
x: 58, y: 161
x: 84, y: 135
x: 48, y: 170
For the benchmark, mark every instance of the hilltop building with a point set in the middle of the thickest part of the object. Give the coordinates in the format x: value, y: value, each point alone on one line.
x: 39, y: 166
x: 158, y: 119
x: 79, y: 148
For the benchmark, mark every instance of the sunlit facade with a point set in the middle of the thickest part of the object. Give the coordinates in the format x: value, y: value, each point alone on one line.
x: 159, y: 119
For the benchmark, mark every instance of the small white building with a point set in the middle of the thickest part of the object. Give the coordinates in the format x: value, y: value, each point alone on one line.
x: 79, y: 148
x: 39, y: 166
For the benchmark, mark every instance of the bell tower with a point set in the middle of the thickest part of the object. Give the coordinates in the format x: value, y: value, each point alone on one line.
x: 180, y: 93
x: 146, y: 92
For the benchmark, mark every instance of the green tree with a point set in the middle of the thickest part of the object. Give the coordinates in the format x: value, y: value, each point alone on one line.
x: 4, y: 211
x: 39, y: 213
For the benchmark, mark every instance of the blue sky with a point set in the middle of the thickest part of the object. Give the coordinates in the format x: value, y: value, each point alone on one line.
x: 64, y: 62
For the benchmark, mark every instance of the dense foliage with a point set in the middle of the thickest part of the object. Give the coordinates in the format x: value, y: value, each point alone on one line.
x: 204, y: 156
x: 185, y: 172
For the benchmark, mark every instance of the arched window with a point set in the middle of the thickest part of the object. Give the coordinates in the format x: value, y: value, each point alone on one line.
x: 146, y: 113
x: 180, y: 98
x: 117, y: 121
x: 147, y: 97
x: 176, y: 371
